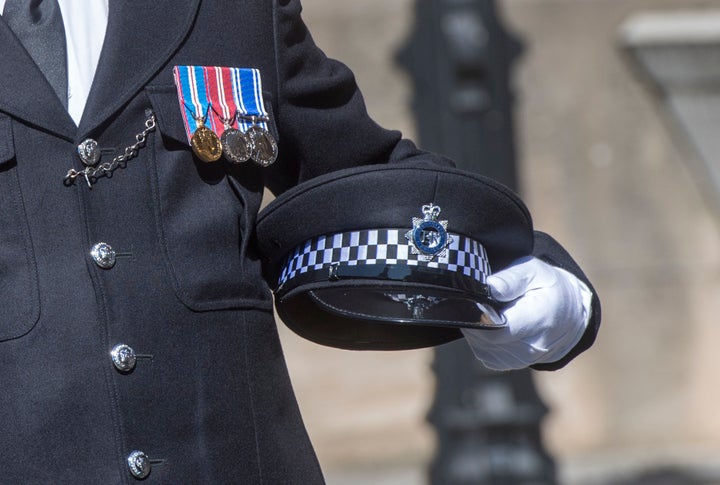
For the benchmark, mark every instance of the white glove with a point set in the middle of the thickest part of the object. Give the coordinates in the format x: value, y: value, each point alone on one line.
x: 547, y: 312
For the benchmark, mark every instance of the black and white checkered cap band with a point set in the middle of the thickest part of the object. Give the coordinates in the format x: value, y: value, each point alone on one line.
x: 384, y: 246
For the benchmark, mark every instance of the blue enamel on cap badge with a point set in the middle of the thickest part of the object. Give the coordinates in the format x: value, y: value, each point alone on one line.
x: 429, y: 237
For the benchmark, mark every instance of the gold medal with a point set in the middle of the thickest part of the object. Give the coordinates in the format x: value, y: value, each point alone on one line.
x: 206, y: 144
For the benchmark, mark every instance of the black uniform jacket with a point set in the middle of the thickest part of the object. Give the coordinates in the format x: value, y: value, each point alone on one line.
x: 209, y: 400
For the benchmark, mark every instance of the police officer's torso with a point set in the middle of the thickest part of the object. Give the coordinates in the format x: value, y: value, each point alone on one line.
x: 197, y: 381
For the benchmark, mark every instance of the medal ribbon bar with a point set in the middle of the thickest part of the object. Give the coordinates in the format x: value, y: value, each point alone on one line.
x: 190, y: 82
x: 220, y: 92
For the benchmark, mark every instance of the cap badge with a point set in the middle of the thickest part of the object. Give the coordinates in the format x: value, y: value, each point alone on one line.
x: 429, y: 237
x: 416, y: 304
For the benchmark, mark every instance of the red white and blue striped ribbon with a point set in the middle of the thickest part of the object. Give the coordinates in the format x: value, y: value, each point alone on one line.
x: 221, y: 97
x: 192, y: 94
x: 219, y: 92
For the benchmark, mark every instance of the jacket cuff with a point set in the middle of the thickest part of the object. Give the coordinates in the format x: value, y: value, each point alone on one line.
x: 550, y: 251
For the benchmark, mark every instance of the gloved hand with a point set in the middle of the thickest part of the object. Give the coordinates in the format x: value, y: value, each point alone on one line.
x: 547, y: 311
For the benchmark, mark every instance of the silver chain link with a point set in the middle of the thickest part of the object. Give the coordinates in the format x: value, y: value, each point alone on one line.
x: 91, y: 174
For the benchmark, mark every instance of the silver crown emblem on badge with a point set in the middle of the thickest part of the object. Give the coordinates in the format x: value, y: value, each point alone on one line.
x: 429, y: 237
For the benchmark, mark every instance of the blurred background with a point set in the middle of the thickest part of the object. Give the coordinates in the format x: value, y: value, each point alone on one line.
x: 604, y: 169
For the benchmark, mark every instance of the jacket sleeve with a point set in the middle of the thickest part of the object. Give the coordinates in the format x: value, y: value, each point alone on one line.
x: 550, y: 251
x: 320, y: 112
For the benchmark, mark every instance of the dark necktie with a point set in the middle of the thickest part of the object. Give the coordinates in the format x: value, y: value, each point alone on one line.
x: 39, y: 26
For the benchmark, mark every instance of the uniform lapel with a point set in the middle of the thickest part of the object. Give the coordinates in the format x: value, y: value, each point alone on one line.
x: 24, y: 91
x: 141, y: 36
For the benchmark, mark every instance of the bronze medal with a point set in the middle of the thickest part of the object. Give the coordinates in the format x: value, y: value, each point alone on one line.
x: 206, y: 144
x: 264, y: 149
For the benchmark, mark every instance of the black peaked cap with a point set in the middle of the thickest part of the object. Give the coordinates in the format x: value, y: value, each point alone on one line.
x: 383, y: 197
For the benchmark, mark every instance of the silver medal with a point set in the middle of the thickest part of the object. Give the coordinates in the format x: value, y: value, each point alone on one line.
x: 235, y: 145
x: 264, y: 149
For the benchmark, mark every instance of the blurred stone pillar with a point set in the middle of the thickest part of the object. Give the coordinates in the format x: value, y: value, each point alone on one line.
x: 460, y: 56
x: 677, y: 55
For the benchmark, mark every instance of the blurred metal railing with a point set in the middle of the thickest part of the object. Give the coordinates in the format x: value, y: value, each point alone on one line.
x: 460, y: 58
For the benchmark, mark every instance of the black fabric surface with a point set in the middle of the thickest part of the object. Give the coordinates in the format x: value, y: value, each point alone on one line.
x: 38, y: 24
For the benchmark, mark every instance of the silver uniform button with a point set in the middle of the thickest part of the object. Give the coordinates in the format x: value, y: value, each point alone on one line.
x: 103, y: 254
x: 139, y: 464
x: 89, y: 152
x: 123, y: 357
